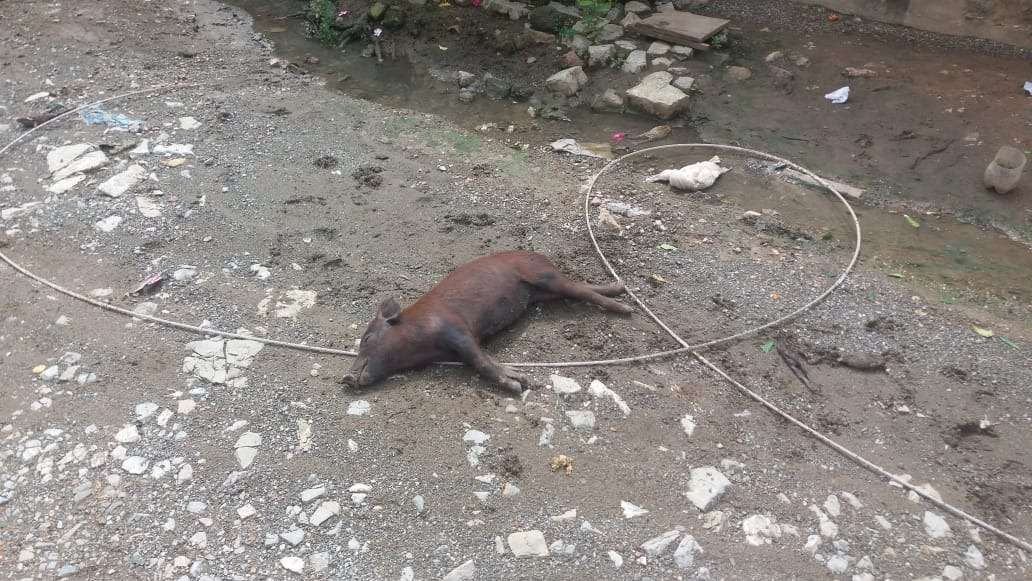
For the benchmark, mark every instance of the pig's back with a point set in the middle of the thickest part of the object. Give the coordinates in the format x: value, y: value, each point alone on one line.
x: 486, y: 294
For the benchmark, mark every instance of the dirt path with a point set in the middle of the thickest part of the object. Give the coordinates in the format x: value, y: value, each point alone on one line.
x: 159, y: 458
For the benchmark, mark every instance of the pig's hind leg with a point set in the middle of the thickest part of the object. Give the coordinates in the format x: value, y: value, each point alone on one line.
x: 468, y: 350
x: 556, y: 285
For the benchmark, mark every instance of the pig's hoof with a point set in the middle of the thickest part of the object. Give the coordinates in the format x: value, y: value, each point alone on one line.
x: 513, y: 381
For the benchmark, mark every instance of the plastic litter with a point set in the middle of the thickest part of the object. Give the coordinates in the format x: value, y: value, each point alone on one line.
x: 839, y: 96
x: 694, y: 177
x: 1028, y: 87
x: 568, y: 145
x: 113, y: 120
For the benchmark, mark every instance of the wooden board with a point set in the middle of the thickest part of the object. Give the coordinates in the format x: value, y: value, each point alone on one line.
x: 680, y: 27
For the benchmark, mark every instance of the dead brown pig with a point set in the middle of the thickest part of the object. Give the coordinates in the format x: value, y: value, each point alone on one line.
x: 475, y: 301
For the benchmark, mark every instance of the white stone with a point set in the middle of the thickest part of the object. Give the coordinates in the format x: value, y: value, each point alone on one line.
x: 475, y: 437
x: 127, y: 435
x: 760, y: 530
x: 616, y: 559
x: 883, y: 522
x: 566, y: 516
x: 935, y: 526
x: 581, y: 419
x: 247, y: 511
x: 108, y: 224
x: 599, y: 389
x: 547, y: 433
x: 293, y: 564
x: 688, y: 425
x: 683, y: 51
x: 567, y: 82
x: 148, y: 207
x: 188, y: 123
x: 185, y: 406
x: 813, y: 542
x: 528, y: 544
x: 59, y: 157
x: 185, y: 474
x: 196, y: 506
x: 245, y: 456
x: 463, y: 572
x: 631, y: 511
x: 358, y: 408
x: 838, y: 564
x: 249, y: 440
x: 310, y: 494
x: 62, y: 186
x: 952, y: 573
x: 706, y: 485
x: 658, y: 48
x: 636, y: 7
x: 121, y: 183
x: 86, y: 163
x: 173, y: 149
x: 832, y: 506
x: 635, y: 62
x: 326, y: 510
x: 199, y: 540
x: 419, y: 503
x: 564, y: 385
x: 684, y: 83
x: 655, y: 95
x: 684, y: 555
x: 294, y: 536
x: 656, y: 545
x: 321, y: 561
x: 510, y: 489
x: 135, y: 464
x: 145, y: 410
x: 973, y: 557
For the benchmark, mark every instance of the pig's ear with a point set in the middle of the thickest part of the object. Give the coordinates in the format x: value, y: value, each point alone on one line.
x: 389, y: 311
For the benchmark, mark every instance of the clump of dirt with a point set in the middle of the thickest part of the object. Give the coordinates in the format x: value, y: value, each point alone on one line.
x: 368, y: 175
x: 325, y: 162
x: 508, y: 463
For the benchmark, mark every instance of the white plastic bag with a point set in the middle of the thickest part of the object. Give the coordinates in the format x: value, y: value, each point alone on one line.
x: 694, y: 177
x: 839, y: 96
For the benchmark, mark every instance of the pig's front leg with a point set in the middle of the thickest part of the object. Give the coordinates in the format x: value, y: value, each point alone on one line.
x: 469, y: 351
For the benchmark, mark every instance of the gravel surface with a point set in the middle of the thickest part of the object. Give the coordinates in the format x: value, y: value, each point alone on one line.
x: 132, y: 451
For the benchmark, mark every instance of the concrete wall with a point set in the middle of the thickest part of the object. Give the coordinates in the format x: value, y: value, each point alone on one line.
x: 1008, y: 21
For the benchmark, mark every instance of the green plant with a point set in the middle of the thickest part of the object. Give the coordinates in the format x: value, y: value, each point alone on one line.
x: 719, y: 41
x: 324, y: 12
x: 592, y: 14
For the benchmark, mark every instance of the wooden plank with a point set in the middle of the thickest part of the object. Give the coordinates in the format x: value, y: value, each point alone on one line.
x: 680, y: 27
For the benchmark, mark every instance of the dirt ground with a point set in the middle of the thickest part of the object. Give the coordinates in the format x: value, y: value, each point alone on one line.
x: 298, y: 209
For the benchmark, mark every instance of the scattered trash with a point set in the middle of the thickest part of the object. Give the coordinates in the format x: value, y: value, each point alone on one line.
x: 607, y: 221
x: 914, y: 223
x: 1008, y: 342
x: 1028, y: 87
x: 667, y: 247
x: 37, y: 96
x: 656, y: 280
x: 694, y: 177
x: 173, y: 162
x: 656, y: 133
x: 896, y: 274
x: 600, y: 150
x: 767, y: 345
x: 173, y: 149
x: 561, y: 462
x: 844, y: 189
x: 625, y: 209
x: 982, y: 331
x: 114, y: 120
x: 618, y: 136
x: 148, y: 286
x: 839, y: 96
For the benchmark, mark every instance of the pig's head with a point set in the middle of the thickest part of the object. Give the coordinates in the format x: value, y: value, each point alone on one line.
x: 378, y: 352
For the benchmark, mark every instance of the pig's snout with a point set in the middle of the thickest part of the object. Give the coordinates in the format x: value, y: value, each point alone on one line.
x: 359, y: 374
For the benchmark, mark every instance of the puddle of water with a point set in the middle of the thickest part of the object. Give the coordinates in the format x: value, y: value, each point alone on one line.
x: 941, y: 253
x: 400, y: 84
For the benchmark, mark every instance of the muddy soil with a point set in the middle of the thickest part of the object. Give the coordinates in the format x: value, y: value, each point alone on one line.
x: 298, y: 209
